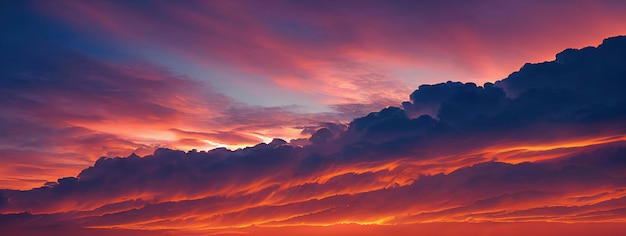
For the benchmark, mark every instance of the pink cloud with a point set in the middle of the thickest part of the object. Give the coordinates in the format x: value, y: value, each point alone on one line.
x: 332, y: 54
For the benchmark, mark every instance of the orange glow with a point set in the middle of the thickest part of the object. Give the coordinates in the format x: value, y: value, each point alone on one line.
x: 250, y: 118
x: 278, y: 204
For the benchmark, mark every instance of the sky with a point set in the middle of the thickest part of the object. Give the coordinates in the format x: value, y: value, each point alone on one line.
x: 270, y: 117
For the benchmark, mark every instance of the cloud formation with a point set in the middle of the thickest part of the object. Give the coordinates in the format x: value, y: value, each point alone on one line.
x: 84, y: 80
x: 64, y: 109
x: 546, y: 144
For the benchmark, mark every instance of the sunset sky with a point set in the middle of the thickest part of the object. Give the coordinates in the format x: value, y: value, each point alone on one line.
x: 330, y: 117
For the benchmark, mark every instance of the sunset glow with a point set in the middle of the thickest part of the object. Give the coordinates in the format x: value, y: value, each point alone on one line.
x: 312, y: 117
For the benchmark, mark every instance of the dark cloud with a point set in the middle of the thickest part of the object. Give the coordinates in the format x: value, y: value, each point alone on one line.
x: 580, y: 86
x: 520, y: 189
x: 386, y: 167
x: 321, y: 136
x: 333, y: 127
x: 594, y: 73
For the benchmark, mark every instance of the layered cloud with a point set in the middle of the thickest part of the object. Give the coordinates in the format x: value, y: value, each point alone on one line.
x: 546, y: 144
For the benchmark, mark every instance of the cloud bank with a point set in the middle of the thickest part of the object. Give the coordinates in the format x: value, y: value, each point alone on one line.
x: 546, y: 144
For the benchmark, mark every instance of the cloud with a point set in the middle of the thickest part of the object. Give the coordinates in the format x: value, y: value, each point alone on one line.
x: 176, y: 178
x: 572, y: 69
x: 577, y: 87
x: 544, y: 144
x: 486, y: 157
x: 64, y: 109
x: 357, y: 53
